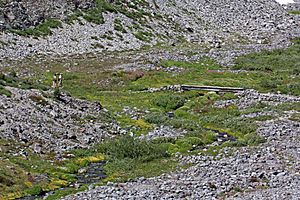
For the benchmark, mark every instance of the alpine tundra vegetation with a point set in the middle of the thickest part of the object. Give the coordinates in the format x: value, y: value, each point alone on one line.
x: 149, y: 99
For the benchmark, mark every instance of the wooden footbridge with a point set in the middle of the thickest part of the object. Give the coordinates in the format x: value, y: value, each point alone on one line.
x: 211, y: 88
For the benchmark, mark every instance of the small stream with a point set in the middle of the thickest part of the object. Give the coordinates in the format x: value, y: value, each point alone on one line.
x: 221, y: 137
x: 93, y: 173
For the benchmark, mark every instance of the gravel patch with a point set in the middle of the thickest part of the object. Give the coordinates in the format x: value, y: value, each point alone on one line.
x: 163, y: 132
x: 248, y: 98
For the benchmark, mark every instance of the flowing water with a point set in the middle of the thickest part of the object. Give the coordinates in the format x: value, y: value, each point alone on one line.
x: 93, y: 173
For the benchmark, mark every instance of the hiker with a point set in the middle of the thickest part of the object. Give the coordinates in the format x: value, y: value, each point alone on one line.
x: 54, y: 80
x: 60, y: 80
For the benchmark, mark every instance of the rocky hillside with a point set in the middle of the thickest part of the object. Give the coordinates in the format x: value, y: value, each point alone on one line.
x: 25, y: 14
x: 78, y: 27
x: 47, y: 125
x: 127, y: 122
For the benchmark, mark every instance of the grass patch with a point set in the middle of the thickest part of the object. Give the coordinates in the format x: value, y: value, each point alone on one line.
x: 129, y: 148
x: 169, y: 102
x: 281, y: 65
x: 129, y: 158
x: 294, y: 12
x: 95, y: 14
x: 43, y: 29
x: 65, y: 192
x: 143, y: 36
x: 118, y: 26
x: 5, y: 92
x: 13, y: 81
x: 74, y: 16
x: 295, y: 117
x: 31, y: 175
x: 127, y: 169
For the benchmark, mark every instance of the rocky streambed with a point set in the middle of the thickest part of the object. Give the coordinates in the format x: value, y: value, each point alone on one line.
x: 89, y: 175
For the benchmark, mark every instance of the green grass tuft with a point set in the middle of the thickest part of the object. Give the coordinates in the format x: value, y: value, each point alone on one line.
x: 143, y: 36
x: 127, y: 147
x: 43, y: 29
x: 169, y: 101
x: 294, y: 12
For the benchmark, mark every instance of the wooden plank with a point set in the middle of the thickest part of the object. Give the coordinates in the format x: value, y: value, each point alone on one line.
x: 211, y: 88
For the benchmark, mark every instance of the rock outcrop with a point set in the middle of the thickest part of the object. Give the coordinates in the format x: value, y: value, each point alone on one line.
x: 20, y: 14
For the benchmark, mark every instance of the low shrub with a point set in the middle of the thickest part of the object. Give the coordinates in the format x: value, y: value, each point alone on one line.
x: 186, y: 124
x: 169, y: 102
x: 156, y: 118
x: 268, y: 84
x: 143, y: 36
x: 35, y: 190
x: 94, y: 16
x: 251, y: 139
x: 127, y: 147
x: 38, y: 99
x: 5, y: 180
x: 5, y: 92
x: 294, y: 12
x: 254, y: 139
x: 293, y: 88
x: 42, y: 29
x: 135, y: 75
x: 118, y: 26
